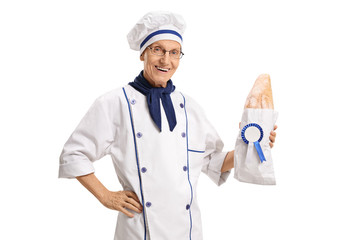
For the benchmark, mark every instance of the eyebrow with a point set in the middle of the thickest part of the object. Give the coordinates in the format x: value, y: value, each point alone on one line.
x: 158, y: 45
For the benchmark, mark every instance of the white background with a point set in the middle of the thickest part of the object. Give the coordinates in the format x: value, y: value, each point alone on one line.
x: 57, y: 57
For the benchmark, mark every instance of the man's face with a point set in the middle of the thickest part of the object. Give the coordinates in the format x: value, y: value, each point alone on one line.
x: 159, y: 69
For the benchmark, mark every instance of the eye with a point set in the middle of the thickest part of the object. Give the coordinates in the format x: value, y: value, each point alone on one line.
x: 175, y: 52
x: 157, y: 49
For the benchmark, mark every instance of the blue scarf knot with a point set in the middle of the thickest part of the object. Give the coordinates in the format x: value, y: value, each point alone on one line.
x: 153, y: 96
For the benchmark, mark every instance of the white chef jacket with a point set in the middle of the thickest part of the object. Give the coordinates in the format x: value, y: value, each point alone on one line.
x: 162, y: 168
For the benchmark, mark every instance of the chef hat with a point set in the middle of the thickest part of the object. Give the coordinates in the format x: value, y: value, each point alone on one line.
x: 155, y: 26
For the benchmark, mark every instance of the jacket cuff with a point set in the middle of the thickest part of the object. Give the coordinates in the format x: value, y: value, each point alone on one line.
x: 214, y: 168
x: 75, y: 169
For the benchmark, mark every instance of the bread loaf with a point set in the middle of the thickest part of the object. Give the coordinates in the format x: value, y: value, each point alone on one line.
x: 260, y: 95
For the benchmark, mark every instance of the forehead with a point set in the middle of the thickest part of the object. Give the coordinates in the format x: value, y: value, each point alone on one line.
x: 167, y: 44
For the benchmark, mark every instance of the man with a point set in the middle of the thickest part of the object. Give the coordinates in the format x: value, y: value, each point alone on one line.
x: 159, y: 140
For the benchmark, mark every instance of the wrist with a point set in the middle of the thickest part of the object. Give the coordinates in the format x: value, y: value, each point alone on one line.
x: 103, y: 195
x: 228, y: 163
x: 91, y: 183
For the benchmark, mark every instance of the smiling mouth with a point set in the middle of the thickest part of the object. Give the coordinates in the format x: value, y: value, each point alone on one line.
x: 162, y: 69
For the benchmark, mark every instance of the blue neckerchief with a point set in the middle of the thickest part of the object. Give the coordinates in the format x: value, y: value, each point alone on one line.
x: 153, y: 96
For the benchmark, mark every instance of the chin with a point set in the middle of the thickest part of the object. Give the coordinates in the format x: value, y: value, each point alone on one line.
x: 162, y: 81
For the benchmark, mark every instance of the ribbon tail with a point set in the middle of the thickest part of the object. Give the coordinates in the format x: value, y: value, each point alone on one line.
x: 259, y: 151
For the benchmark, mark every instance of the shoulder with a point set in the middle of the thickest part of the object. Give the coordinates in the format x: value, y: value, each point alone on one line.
x: 110, y: 96
x: 117, y: 96
x: 111, y: 102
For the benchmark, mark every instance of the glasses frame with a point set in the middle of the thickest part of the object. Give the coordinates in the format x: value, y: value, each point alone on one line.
x: 164, y: 52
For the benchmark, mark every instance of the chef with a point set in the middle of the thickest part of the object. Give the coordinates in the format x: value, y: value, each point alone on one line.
x: 159, y: 140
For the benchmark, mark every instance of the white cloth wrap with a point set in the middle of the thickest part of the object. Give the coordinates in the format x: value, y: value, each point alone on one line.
x: 247, y: 165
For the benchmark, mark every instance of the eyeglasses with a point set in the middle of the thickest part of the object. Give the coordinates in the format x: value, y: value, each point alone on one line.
x: 158, y: 51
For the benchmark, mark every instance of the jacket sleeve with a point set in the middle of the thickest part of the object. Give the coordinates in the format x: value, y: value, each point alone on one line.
x: 91, y: 140
x: 207, y: 137
x: 214, y: 155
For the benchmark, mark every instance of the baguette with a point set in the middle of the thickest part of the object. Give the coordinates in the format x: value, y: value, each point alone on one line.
x: 260, y: 95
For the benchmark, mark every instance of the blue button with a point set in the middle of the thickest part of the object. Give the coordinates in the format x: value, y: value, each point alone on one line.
x: 148, y: 204
x: 181, y: 105
x: 139, y: 134
x: 133, y: 101
x: 185, y: 168
x: 187, y: 207
x: 143, y: 169
x: 183, y: 134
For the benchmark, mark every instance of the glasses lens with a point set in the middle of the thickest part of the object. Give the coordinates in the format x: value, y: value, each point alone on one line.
x: 176, y: 54
x: 157, y: 51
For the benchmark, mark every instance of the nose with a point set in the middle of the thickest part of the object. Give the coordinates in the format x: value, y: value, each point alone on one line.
x: 166, y: 58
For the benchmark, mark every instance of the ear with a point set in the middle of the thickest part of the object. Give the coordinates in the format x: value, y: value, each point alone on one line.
x: 142, y: 57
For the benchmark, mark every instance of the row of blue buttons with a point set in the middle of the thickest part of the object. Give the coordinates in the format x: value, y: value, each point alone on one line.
x: 143, y: 170
x: 133, y: 101
x: 148, y: 204
x: 139, y: 134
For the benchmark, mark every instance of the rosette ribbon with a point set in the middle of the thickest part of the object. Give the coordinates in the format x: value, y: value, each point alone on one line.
x: 256, y: 143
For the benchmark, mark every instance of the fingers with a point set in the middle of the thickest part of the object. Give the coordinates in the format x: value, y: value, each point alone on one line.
x: 126, y: 212
x: 135, y: 206
x: 272, y: 137
x: 132, y: 207
x: 134, y: 200
x: 132, y: 195
x: 123, y: 201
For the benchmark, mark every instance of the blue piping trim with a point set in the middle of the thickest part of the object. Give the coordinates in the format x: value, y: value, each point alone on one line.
x: 137, y: 161
x: 159, y: 32
x: 190, y: 150
x: 187, y: 147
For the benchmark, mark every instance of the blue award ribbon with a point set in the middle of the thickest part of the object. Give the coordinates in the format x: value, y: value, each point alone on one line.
x: 259, y: 151
x: 256, y: 143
